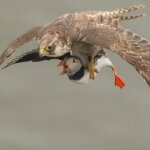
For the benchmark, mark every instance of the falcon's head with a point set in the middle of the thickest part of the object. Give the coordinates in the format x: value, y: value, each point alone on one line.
x: 52, y: 45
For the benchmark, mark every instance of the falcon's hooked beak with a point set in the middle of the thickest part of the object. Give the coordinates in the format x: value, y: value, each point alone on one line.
x: 91, y: 68
x: 42, y: 52
x: 45, y: 52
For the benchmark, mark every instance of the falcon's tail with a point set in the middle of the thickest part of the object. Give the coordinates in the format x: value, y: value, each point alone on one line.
x: 145, y: 75
x: 139, y: 54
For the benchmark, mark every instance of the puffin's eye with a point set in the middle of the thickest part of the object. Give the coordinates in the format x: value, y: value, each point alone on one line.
x: 98, y: 56
x: 74, y: 61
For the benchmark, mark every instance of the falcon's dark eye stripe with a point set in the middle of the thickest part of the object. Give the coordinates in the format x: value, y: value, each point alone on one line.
x: 74, y: 61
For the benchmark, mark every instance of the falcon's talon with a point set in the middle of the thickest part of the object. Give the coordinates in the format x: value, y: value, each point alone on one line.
x: 91, y: 69
x: 96, y: 71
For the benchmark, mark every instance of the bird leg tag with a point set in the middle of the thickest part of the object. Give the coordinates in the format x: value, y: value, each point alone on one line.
x: 118, y: 81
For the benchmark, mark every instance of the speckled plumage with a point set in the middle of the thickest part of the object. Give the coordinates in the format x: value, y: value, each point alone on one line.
x: 85, y: 33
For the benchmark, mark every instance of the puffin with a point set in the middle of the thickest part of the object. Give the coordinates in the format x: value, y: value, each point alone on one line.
x: 72, y: 66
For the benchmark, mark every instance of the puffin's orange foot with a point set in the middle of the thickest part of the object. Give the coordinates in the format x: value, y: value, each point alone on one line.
x: 118, y: 81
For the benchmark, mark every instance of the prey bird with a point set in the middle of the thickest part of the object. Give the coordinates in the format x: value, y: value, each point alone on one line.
x: 84, y: 34
x: 72, y: 66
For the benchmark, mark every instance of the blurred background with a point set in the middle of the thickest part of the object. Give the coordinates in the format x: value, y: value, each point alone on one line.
x: 41, y: 110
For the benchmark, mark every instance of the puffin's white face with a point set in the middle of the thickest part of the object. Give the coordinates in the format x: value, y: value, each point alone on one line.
x: 52, y: 45
x: 73, y: 64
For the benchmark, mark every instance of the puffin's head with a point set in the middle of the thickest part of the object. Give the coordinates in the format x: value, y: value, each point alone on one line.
x: 52, y: 45
x: 73, y: 65
x: 75, y: 71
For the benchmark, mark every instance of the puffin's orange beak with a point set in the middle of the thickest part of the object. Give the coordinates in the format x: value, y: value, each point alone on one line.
x: 61, y: 63
x: 66, y: 69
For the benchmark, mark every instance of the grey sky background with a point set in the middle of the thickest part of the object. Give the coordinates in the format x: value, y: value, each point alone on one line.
x: 41, y: 110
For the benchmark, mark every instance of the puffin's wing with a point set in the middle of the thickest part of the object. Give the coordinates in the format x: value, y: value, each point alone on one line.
x: 34, y: 57
x: 130, y: 46
x: 25, y: 57
x: 18, y: 42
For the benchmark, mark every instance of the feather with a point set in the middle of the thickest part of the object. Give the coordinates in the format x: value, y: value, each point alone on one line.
x: 22, y: 39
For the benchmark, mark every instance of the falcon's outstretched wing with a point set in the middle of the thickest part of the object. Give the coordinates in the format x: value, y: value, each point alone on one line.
x: 24, y: 38
x: 130, y: 46
x: 120, y: 14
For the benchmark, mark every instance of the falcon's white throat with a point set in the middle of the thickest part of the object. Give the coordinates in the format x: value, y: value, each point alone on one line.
x: 52, y: 45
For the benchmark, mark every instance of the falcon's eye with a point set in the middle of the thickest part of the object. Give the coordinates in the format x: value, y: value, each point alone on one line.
x: 49, y: 47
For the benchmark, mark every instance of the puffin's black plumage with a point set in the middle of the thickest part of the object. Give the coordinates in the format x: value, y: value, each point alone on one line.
x: 77, y: 75
x: 34, y: 57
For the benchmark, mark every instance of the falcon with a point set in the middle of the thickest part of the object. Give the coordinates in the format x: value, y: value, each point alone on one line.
x: 84, y: 34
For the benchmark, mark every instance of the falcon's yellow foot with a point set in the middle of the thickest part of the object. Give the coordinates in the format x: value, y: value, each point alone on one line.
x: 91, y: 69
x: 96, y: 71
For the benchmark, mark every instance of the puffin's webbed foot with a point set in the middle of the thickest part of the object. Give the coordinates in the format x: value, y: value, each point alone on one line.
x: 118, y: 81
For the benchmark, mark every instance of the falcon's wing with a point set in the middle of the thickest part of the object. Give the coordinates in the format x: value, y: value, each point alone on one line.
x: 120, y: 13
x: 130, y: 46
x: 22, y: 39
x: 130, y: 9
